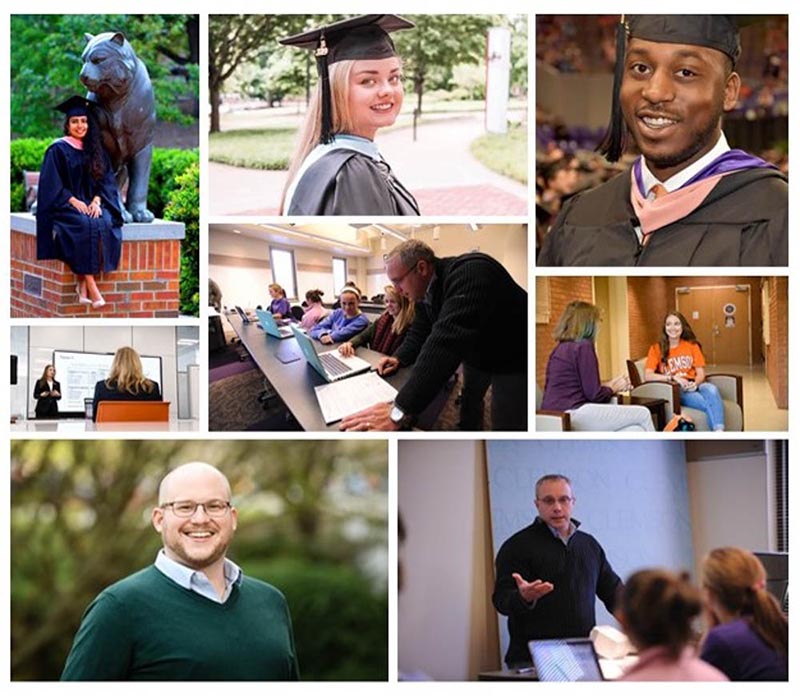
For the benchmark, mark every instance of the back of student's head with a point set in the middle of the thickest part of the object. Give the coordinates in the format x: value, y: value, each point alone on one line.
x: 579, y: 321
x: 658, y: 607
x: 314, y: 296
x: 736, y: 580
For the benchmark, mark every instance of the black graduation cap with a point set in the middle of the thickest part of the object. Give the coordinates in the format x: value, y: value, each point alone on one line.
x: 720, y: 32
x: 75, y: 106
x: 365, y: 37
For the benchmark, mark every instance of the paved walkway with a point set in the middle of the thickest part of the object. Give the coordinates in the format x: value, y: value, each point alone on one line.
x: 438, y: 168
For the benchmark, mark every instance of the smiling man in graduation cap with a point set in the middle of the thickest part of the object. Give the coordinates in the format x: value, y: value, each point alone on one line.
x: 337, y: 169
x: 689, y: 199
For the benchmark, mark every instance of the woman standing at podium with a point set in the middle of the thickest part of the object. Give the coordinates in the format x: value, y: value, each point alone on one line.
x: 47, y: 393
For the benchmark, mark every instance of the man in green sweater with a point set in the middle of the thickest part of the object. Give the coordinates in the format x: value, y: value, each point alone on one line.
x: 192, y: 615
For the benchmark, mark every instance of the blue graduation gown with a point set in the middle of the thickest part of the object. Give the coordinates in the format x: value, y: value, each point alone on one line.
x: 88, y: 245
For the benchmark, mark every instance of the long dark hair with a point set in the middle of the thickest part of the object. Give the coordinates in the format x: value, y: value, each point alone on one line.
x: 686, y: 334
x: 92, y: 146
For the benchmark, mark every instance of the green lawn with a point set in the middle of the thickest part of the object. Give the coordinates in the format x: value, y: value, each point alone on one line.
x: 504, y: 153
x: 261, y: 149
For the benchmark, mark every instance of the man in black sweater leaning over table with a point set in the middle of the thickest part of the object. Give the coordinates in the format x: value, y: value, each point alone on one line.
x: 549, y: 573
x: 469, y: 312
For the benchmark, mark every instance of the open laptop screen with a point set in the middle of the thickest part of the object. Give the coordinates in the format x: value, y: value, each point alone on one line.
x: 565, y: 660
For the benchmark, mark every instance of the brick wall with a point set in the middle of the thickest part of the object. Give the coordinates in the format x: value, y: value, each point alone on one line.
x: 145, y: 285
x: 778, y: 350
x: 562, y: 291
x: 651, y: 298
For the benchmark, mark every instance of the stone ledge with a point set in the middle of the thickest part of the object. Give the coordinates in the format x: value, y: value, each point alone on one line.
x: 131, y: 232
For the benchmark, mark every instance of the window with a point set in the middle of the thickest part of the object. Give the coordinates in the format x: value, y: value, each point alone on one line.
x: 339, y: 274
x: 283, y: 271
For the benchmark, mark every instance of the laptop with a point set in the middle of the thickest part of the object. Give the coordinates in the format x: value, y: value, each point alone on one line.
x: 331, y: 366
x: 565, y: 660
x: 271, y: 326
x: 245, y: 318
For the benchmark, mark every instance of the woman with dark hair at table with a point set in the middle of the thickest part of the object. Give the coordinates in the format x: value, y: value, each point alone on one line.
x: 656, y: 609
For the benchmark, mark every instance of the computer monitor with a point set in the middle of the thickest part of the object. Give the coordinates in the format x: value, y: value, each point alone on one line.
x: 777, y: 566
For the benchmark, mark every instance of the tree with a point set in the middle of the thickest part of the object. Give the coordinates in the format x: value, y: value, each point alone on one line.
x: 441, y: 42
x: 237, y: 39
x: 46, y: 61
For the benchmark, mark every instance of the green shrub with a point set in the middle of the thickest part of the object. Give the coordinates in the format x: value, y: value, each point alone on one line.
x: 184, y: 206
x: 168, y: 164
x: 340, y: 625
x: 26, y: 154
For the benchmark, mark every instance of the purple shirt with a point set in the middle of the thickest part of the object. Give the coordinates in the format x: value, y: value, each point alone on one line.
x: 742, y: 654
x: 281, y: 306
x: 339, y: 326
x: 573, y: 377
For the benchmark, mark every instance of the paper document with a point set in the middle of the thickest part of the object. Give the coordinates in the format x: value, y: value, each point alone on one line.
x: 342, y: 398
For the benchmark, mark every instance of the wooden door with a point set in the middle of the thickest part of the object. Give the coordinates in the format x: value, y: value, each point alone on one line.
x: 720, y: 318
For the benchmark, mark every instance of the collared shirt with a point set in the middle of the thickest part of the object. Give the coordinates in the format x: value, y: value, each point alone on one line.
x: 681, y: 178
x: 196, y: 580
x: 573, y: 527
x: 347, y: 141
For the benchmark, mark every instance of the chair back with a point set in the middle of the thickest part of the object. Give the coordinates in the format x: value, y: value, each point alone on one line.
x: 635, y: 371
x: 133, y: 411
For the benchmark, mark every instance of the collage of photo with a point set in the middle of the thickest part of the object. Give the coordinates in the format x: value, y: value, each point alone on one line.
x: 238, y: 242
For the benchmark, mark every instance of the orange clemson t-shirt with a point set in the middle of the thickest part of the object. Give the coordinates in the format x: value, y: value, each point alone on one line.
x: 682, y: 360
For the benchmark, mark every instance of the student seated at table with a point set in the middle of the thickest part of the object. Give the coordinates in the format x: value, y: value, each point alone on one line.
x: 315, y: 311
x: 749, y: 635
x: 126, y: 381
x: 344, y: 322
x: 279, y: 306
x: 386, y: 334
x: 656, y: 610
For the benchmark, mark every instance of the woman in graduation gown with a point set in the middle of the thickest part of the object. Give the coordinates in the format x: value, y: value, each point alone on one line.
x: 78, y: 220
x: 337, y: 169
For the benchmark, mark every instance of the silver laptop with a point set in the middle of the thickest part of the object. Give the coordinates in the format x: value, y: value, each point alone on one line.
x: 331, y: 366
x: 271, y: 326
x: 565, y: 660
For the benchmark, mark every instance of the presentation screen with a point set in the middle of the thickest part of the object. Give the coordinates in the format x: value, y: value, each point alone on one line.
x: 78, y: 373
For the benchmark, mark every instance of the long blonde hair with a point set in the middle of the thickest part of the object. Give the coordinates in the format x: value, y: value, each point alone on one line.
x: 405, y: 316
x: 127, y: 374
x: 308, y: 136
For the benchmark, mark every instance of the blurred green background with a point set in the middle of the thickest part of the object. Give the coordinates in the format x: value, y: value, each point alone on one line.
x: 312, y: 522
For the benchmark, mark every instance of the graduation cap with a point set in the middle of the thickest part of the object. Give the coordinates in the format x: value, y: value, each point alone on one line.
x: 365, y: 37
x: 720, y: 32
x: 75, y: 106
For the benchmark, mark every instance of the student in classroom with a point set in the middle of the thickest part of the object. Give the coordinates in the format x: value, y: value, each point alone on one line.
x: 344, y: 322
x: 279, y: 306
x: 386, y: 334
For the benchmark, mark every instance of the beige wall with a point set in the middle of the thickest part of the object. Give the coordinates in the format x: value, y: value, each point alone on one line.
x: 446, y: 623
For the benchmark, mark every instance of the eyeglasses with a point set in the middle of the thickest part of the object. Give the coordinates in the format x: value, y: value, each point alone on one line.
x: 549, y: 501
x: 400, y: 279
x: 187, y: 508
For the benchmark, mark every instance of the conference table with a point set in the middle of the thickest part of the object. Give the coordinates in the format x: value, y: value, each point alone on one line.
x: 294, y: 382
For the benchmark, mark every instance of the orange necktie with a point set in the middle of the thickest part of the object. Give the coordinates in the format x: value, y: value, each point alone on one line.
x: 658, y: 190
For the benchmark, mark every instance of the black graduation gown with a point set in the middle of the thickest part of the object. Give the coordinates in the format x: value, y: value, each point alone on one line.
x: 88, y: 245
x: 345, y: 182
x: 742, y: 222
x: 46, y: 406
